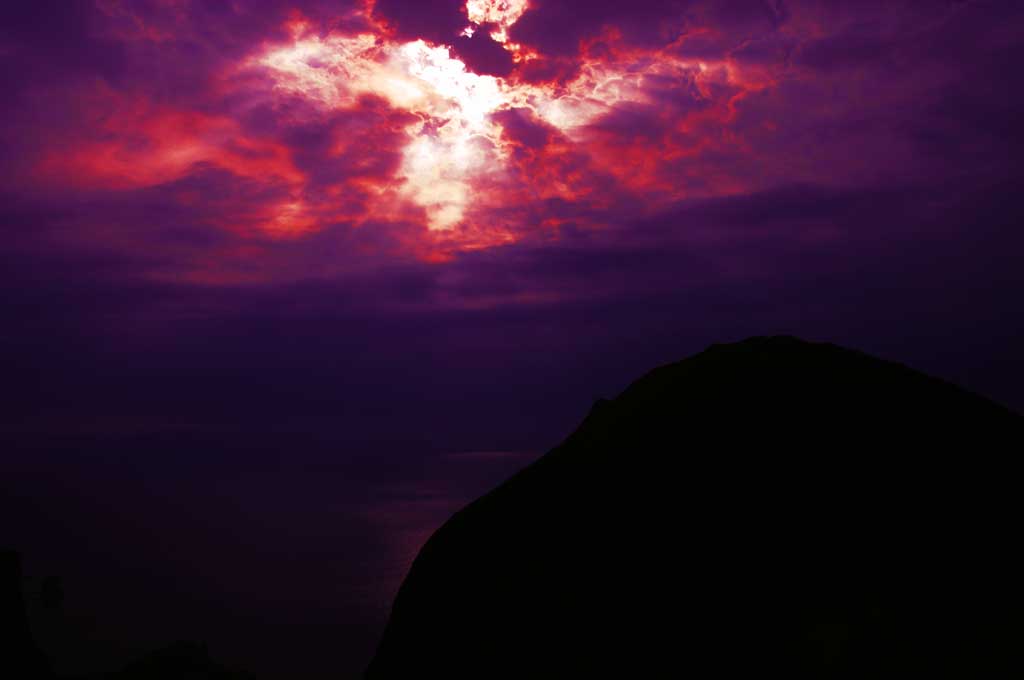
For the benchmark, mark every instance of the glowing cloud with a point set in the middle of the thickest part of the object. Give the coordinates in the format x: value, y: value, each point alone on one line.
x: 454, y: 140
x: 413, y: 139
x: 503, y: 13
x: 452, y: 107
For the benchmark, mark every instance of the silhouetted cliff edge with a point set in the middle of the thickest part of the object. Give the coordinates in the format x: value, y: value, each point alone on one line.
x: 771, y: 506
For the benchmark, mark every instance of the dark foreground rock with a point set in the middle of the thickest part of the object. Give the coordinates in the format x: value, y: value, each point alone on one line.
x: 179, y: 661
x: 19, y: 656
x: 771, y: 507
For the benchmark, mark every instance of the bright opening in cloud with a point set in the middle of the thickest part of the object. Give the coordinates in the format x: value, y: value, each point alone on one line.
x: 503, y: 13
x: 455, y: 140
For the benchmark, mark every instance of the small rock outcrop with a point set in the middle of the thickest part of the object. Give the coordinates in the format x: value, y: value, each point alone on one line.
x: 19, y: 655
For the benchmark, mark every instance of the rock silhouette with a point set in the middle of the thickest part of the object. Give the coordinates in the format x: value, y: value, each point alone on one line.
x: 766, y: 507
x: 19, y: 656
x: 179, y: 661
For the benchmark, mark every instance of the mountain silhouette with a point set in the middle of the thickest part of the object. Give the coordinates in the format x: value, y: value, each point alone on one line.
x: 766, y: 507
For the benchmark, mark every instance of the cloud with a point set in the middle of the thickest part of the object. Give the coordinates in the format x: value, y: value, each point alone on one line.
x: 322, y: 144
x: 338, y: 122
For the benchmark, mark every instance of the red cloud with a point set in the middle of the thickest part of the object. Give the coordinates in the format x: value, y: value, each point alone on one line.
x: 127, y: 142
x: 358, y: 128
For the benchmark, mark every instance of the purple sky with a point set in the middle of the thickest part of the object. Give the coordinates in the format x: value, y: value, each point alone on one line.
x: 284, y: 283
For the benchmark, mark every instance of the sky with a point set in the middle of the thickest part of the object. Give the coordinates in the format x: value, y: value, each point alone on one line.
x: 283, y: 283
